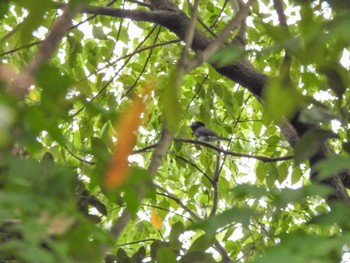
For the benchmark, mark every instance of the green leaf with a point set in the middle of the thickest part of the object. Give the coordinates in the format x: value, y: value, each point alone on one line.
x: 244, y: 190
x: 53, y: 97
x: 100, y: 150
x: 277, y: 33
x: 332, y: 165
x: 139, y: 255
x: 4, y: 7
x: 164, y: 254
x: 286, y: 196
x: 261, y: 172
x: 310, y: 143
x: 282, y: 100
x: 194, y: 256
x: 177, y: 229
x: 36, y: 9
x: 316, y: 115
x: 131, y: 199
x: 202, y: 243
x: 226, y: 56
x: 296, y: 174
x: 339, y: 215
x: 310, y: 248
x: 122, y: 256
x: 337, y: 76
x: 282, y: 172
x: 98, y: 33
x: 271, y: 174
x: 211, y: 225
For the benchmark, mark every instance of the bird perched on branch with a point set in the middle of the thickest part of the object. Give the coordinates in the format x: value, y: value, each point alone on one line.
x: 202, y: 133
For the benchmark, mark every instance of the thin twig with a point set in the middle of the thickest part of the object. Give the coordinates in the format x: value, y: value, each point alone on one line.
x: 208, y: 29
x: 79, y: 158
x: 195, y: 166
x: 137, y: 242
x: 219, y: 15
x: 177, y: 200
x: 145, y: 149
x: 167, y: 210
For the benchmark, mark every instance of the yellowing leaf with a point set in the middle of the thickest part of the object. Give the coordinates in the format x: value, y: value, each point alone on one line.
x: 156, y: 221
x: 127, y: 128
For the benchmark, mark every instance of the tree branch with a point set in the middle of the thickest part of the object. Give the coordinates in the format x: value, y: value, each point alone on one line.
x: 236, y: 154
x: 196, y: 167
x: 265, y: 159
x: 178, y: 201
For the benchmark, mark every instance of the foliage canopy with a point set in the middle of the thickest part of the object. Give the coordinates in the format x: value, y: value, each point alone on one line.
x: 97, y: 160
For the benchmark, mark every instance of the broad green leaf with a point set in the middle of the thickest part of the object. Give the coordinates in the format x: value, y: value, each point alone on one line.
x: 245, y: 190
x: 281, y: 99
x: 202, y: 243
x: 286, y: 196
x: 332, y: 165
x: 211, y: 225
x: 271, y: 174
x: 177, y: 229
x: 195, y: 256
x: 339, y: 215
x: 164, y: 254
x: 121, y: 255
x: 296, y: 174
x: 315, y: 116
x: 310, y: 143
x: 4, y: 6
x: 277, y: 33
x: 36, y: 9
x: 226, y: 56
x: 310, y: 248
x: 98, y: 33
x: 282, y: 172
x: 260, y: 172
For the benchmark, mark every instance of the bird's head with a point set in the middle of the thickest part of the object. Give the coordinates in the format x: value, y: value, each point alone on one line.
x: 195, y: 125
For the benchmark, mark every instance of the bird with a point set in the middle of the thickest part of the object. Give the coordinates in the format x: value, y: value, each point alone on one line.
x: 202, y: 133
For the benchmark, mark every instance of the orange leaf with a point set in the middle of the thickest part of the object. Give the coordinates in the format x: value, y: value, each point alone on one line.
x: 156, y: 221
x: 127, y: 127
